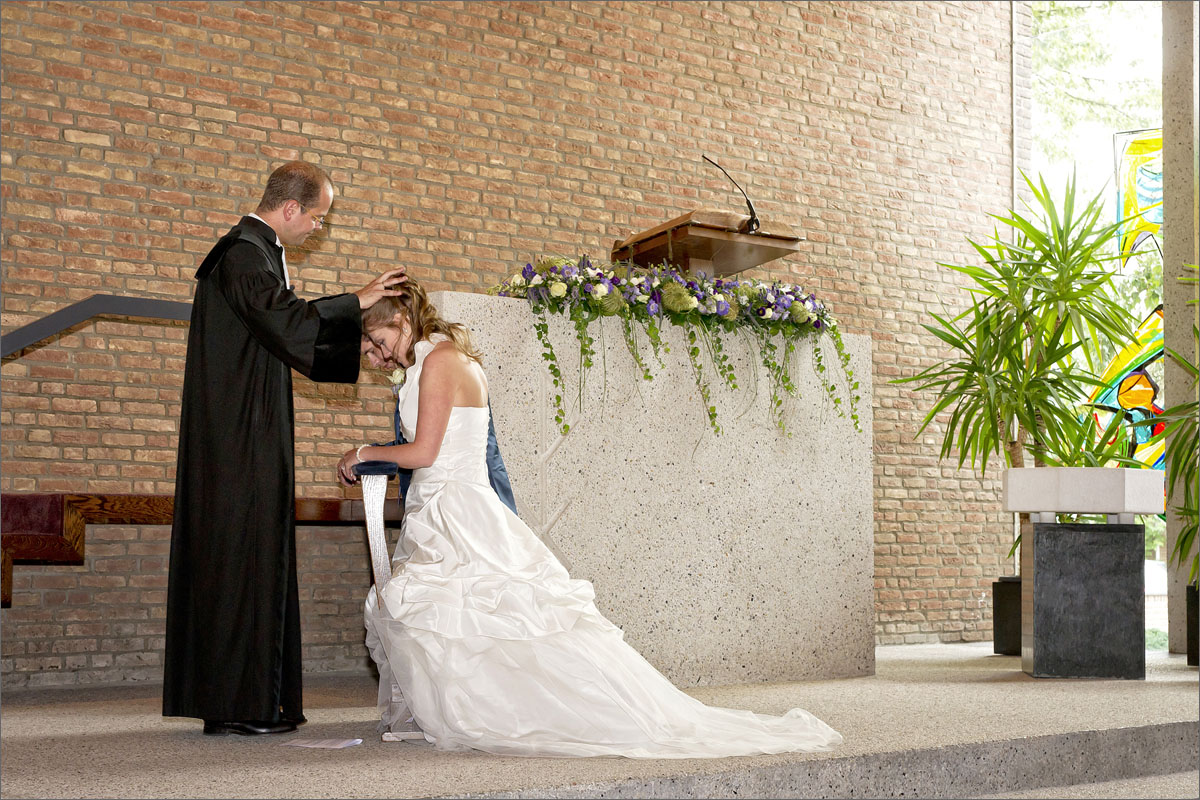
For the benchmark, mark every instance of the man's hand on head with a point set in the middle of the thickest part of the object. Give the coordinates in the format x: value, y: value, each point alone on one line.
x: 383, y: 286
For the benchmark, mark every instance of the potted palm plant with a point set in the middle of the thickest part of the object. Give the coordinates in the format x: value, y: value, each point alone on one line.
x: 1182, y: 447
x: 1025, y: 349
x: 1182, y: 450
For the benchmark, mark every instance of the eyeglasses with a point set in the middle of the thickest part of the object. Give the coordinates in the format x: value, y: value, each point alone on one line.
x: 321, y: 223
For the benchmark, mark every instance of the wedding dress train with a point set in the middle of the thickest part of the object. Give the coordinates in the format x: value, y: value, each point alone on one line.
x: 490, y: 645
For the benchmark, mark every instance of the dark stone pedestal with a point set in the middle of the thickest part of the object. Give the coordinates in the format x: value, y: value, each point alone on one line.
x: 1193, y: 626
x: 1083, y: 601
x: 1006, y: 616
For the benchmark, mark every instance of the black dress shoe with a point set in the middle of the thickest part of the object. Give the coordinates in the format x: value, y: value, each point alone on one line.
x: 297, y: 720
x: 246, y: 727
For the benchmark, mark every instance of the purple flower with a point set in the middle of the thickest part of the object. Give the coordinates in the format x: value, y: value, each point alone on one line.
x: 587, y: 287
x: 722, y: 308
x: 817, y: 323
x: 528, y: 272
x: 652, y: 307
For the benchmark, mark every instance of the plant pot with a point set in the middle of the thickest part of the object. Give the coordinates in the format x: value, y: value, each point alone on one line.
x: 1193, y: 626
x: 1006, y: 616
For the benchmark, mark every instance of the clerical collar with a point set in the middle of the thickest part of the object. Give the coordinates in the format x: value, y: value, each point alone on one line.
x: 287, y: 281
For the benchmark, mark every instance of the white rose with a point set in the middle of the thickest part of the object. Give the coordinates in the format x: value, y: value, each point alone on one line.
x: 599, y: 290
x: 693, y: 302
x: 558, y: 289
x: 518, y: 280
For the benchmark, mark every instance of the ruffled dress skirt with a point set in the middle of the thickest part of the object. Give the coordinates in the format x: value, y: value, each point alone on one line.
x: 490, y: 645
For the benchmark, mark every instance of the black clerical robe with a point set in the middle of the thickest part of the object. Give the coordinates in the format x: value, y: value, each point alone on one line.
x: 233, y: 614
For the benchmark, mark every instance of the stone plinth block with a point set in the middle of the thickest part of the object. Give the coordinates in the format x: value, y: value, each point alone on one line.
x: 725, y: 559
x: 1083, y: 601
x: 1083, y: 490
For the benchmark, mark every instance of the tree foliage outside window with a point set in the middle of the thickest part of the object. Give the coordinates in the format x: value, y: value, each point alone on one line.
x: 1090, y: 82
x: 1077, y: 78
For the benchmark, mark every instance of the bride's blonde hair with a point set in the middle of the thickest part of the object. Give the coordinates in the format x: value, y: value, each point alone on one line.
x: 413, y: 304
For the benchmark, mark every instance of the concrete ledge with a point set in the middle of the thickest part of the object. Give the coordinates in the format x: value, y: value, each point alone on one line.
x: 1083, y: 490
x: 962, y: 770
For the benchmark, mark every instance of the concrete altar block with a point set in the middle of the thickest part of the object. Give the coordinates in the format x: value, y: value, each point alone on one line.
x: 1083, y: 490
x: 738, y: 558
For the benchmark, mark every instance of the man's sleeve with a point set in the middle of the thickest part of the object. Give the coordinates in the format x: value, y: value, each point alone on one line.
x: 320, y: 339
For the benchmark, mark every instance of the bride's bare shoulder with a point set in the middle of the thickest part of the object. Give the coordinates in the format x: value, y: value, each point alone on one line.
x: 446, y: 358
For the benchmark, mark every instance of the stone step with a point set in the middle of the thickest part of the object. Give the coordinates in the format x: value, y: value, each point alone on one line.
x: 963, y: 770
x: 1176, y: 786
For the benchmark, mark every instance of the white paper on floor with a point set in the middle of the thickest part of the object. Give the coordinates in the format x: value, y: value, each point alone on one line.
x: 323, y: 744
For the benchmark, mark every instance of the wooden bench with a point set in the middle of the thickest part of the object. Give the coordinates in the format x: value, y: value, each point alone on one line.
x: 49, y: 528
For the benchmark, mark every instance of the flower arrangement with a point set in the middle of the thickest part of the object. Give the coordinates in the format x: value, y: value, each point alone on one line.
x: 706, y: 309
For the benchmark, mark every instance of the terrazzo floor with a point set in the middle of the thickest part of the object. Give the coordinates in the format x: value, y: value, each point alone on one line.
x: 113, y: 742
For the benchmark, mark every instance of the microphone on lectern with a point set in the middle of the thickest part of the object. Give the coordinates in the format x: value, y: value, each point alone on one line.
x: 751, y: 224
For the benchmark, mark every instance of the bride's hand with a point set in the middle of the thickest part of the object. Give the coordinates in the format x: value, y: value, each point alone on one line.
x: 345, y: 468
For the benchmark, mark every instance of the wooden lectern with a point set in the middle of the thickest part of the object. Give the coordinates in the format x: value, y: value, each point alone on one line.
x: 706, y: 242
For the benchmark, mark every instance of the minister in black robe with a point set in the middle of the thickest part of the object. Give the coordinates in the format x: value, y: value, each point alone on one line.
x: 233, y: 617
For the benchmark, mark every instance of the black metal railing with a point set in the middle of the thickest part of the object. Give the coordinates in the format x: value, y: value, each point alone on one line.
x: 98, y: 305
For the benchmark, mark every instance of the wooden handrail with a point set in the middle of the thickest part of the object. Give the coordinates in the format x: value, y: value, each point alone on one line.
x: 49, y: 528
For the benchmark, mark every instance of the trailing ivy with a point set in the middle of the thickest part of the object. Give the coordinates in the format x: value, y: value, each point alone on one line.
x: 706, y: 310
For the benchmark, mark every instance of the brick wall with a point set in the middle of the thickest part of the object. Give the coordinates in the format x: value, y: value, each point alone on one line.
x: 466, y: 139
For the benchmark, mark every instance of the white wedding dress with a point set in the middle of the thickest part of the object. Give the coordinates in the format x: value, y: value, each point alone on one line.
x: 490, y: 645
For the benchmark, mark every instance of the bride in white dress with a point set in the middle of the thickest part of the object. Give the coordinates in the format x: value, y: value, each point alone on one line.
x: 484, y: 640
